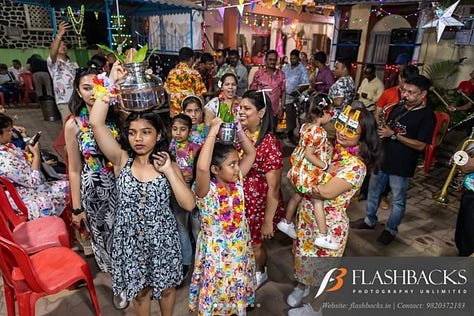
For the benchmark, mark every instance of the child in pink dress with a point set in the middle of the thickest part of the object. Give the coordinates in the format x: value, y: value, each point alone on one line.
x: 309, y: 161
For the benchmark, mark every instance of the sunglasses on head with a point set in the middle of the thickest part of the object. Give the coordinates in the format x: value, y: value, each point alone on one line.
x: 347, y: 124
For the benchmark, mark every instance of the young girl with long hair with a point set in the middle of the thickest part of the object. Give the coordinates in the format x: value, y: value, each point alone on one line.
x: 223, y: 278
x: 146, y: 252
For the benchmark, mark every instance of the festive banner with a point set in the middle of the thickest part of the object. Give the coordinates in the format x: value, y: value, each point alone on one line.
x: 221, y: 12
x: 252, y: 6
x: 240, y: 7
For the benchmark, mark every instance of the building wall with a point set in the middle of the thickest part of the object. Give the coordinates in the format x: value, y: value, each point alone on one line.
x: 20, y: 39
x: 15, y: 32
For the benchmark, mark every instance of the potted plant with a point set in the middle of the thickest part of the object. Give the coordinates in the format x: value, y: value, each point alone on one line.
x: 227, y: 129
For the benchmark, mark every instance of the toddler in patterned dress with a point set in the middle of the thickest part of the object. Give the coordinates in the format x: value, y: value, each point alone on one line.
x: 309, y: 161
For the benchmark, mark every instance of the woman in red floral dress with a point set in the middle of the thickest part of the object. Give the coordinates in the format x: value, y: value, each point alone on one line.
x: 263, y: 202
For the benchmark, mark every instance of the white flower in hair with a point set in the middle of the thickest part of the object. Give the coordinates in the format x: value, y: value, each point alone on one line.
x: 219, y: 84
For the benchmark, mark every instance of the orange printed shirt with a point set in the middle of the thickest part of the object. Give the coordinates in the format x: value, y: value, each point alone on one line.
x: 181, y: 82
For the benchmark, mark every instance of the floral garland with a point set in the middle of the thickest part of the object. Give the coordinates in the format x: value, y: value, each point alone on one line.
x: 230, y: 215
x: 15, y: 150
x: 87, y: 142
x: 183, y: 151
x: 253, y: 137
x: 103, y: 86
x: 198, y: 133
x: 341, y: 155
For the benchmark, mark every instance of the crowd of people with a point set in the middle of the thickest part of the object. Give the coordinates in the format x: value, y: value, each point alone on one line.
x: 141, y: 198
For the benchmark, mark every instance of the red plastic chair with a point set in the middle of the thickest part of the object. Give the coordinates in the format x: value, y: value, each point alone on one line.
x: 47, y: 272
x: 33, y: 235
x: 441, y: 127
x: 28, y: 86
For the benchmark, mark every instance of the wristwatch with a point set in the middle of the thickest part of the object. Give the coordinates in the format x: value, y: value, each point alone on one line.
x: 77, y: 211
x: 394, y: 136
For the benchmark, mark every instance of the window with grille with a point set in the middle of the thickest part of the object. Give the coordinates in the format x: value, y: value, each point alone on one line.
x: 37, y: 18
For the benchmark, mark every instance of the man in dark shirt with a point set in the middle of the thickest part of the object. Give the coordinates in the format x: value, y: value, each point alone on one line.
x: 409, y: 129
x: 38, y: 67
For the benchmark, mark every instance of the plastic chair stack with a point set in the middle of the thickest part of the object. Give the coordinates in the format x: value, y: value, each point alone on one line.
x: 46, y: 272
x: 442, y: 123
x: 33, y: 235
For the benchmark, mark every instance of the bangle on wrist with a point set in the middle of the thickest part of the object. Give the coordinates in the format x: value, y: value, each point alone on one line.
x: 326, y: 166
x: 77, y: 211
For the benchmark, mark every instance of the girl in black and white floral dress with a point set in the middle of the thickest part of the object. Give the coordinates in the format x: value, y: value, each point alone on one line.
x: 146, y: 255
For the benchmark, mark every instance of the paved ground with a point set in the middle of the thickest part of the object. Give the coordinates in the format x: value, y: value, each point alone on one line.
x: 427, y: 230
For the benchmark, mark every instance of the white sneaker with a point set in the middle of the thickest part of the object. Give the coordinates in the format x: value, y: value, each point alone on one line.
x: 306, y: 310
x: 261, y: 277
x: 287, y: 228
x: 298, y: 294
x: 327, y: 242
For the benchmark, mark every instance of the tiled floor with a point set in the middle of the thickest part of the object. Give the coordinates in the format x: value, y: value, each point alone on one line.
x: 427, y: 230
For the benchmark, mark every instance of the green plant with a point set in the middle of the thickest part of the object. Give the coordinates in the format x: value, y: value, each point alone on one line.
x: 441, y: 73
x: 225, y: 113
x: 139, y: 57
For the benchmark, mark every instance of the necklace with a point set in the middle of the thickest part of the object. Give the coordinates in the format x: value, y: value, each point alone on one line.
x: 87, y: 142
x: 231, y: 206
x: 253, y: 136
x: 341, y: 155
x: 183, y: 153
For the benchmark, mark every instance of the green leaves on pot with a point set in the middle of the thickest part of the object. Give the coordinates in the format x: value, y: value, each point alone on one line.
x: 139, y: 57
x: 225, y: 113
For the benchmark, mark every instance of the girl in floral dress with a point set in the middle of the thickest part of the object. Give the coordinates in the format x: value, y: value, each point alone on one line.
x: 91, y: 176
x: 192, y: 107
x: 223, y: 277
x: 184, y: 152
x: 309, y: 161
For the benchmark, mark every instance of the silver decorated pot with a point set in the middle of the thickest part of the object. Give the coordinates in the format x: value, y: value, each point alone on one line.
x: 139, y: 91
x: 226, y: 133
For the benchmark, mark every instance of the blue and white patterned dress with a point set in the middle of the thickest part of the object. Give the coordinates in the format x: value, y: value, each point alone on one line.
x: 146, y: 249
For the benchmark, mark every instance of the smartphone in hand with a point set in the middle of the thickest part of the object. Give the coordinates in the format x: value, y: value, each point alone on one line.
x: 35, y: 138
